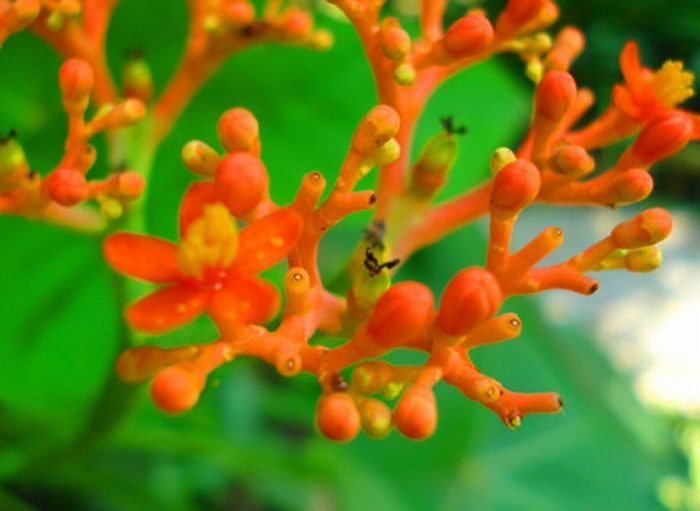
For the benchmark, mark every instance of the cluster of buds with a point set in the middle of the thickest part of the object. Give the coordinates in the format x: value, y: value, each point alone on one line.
x: 77, y: 30
x: 231, y: 229
x: 26, y: 192
x: 375, y: 317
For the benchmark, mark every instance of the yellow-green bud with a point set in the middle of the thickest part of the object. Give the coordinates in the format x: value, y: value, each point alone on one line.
x: 13, y: 162
x: 200, y: 158
x: 439, y: 153
x: 500, y: 158
x: 137, y: 81
x: 405, y: 74
x: 388, y: 153
x: 643, y: 259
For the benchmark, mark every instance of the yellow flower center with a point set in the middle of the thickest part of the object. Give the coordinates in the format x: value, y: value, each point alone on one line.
x: 673, y: 84
x: 211, y: 242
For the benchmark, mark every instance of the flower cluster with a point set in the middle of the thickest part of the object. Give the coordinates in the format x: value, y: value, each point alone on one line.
x: 53, y: 195
x: 231, y: 229
x: 77, y: 30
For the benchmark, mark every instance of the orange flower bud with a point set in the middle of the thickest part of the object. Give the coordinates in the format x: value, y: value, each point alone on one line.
x: 241, y: 182
x: 572, y: 161
x: 554, y: 95
x: 375, y: 129
x: 76, y: 80
x: 646, y: 228
x: 515, y: 186
x: 297, y: 24
x: 337, y: 417
x: 26, y: 11
x: 402, y: 314
x: 239, y: 13
x: 238, y: 130
x: 376, y: 418
x: 472, y: 296
x: 67, y: 186
x: 176, y: 390
x: 393, y: 40
x: 130, y: 184
x: 632, y: 186
x: 468, y: 36
x: 665, y: 135
x: 416, y: 414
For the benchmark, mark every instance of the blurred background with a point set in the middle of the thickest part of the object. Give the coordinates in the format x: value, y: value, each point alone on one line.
x: 626, y: 360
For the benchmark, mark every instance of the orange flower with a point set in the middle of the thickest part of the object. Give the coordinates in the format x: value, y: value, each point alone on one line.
x: 212, y: 270
x: 646, y: 92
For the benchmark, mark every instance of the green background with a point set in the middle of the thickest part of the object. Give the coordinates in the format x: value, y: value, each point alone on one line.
x: 250, y: 443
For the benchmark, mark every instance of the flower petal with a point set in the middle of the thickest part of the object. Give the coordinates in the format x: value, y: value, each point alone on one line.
x: 624, y: 101
x: 167, y: 308
x: 267, y: 241
x: 143, y: 257
x: 631, y: 67
x: 244, y: 299
x: 197, y: 196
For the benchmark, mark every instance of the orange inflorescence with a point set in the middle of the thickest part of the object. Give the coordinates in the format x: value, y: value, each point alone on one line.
x: 231, y: 229
x: 77, y: 30
x: 53, y: 195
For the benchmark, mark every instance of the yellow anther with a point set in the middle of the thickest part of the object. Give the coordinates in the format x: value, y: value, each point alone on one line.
x: 211, y: 242
x: 673, y: 84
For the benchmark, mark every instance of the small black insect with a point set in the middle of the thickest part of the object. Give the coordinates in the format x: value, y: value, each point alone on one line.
x: 448, y: 124
x: 374, y: 266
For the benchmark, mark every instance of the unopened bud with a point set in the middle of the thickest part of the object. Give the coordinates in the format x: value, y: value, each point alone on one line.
x: 13, y: 162
x: 137, y: 81
x: 469, y: 35
x: 416, y: 414
x: 241, y: 182
x: 379, y: 126
x: 471, y: 297
x: 130, y: 185
x: 238, y: 130
x: 554, y: 96
x: 405, y: 74
x: 402, y: 314
x: 76, y: 80
x: 239, y: 13
x: 632, y: 186
x: 67, y: 186
x: 646, y: 228
x: 500, y: 158
x: 176, y: 390
x: 393, y: 40
x: 643, y: 259
x: 572, y: 161
x: 388, y: 153
x: 297, y: 24
x: 514, y: 187
x: 337, y: 417
x: 200, y: 158
x: 376, y: 418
